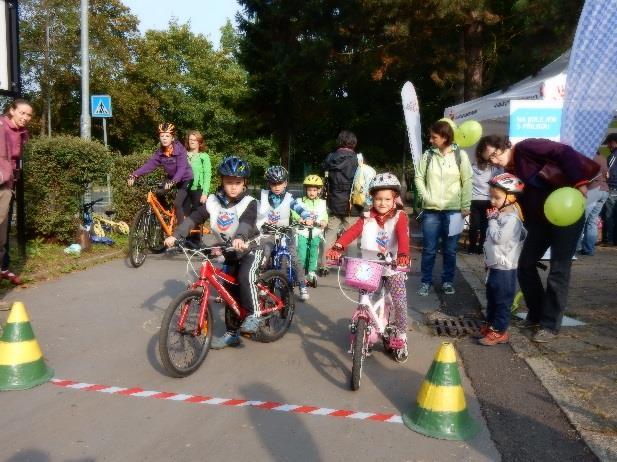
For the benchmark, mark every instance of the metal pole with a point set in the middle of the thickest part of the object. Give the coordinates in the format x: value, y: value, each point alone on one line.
x: 105, y: 131
x: 85, y: 74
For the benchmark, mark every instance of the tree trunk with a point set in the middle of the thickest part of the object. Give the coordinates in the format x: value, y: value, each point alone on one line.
x: 474, y: 62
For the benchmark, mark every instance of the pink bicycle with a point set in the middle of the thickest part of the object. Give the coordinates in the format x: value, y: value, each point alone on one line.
x: 370, y: 321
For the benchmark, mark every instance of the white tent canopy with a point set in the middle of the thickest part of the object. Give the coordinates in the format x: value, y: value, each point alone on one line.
x: 493, y: 110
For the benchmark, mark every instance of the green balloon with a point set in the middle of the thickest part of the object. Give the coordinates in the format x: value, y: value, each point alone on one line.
x: 468, y: 134
x: 564, y: 206
x: 449, y: 122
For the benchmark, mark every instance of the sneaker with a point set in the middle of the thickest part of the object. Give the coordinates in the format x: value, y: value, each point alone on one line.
x: 312, y: 279
x: 401, y: 355
x: 544, y: 335
x: 484, y: 328
x: 423, y: 290
x: 304, y: 295
x: 448, y: 288
x: 494, y: 337
x: 251, y: 324
x: 15, y: 279
x: 230, y: 339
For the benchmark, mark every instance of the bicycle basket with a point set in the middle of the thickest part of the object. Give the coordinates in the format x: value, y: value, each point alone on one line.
x: 363, y: 274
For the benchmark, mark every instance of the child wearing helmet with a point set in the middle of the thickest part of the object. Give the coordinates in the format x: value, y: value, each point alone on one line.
x: 384, y: 230
x: 503, y: 245
x: 233, y: 217
x: 276, y: 205
x: 172, y: 156
x: 309, y: 241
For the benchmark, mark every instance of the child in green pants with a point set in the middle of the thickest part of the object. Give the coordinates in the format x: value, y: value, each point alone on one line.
x: 308, y: 240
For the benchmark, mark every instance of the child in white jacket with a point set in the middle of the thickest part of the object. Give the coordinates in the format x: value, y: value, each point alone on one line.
x: 503, y: 245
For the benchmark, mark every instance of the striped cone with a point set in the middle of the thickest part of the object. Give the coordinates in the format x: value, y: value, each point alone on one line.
x: 21, y: 360
x: 440, y: 410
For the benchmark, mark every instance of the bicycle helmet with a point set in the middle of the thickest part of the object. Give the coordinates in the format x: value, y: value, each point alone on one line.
x: 167, y: 127
x: 507, y: 182
x: 384, y: 181
x: 276, y: 174
x: 313, y: 180
x: 234, y: 166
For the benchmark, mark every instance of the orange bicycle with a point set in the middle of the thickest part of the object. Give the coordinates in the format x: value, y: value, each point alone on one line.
x: 151, y: 225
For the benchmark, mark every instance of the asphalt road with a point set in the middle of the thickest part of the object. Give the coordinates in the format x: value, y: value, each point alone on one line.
x: 100, y: 326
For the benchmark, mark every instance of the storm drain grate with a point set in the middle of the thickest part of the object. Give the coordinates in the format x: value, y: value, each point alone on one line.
x: 456, y: 327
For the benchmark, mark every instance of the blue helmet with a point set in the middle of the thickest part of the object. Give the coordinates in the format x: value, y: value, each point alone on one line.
x: 234, y: 166
x: 276, y: 174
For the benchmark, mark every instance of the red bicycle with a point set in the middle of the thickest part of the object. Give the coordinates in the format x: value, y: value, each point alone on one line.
x: 187, y: 326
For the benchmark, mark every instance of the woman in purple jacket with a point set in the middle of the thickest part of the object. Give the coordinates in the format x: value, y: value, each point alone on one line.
x: 532, y: 160
x: 171, y: 155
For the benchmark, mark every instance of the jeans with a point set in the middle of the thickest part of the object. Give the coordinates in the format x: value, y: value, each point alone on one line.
x: 595, y: 201
x: 546, y: 306
x: 610, y: 217
x: 500, y: 291
x: 435, y: 226
x: 478, y: 223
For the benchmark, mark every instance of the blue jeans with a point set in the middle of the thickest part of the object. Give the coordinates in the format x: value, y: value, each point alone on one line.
x: 500, y: 291
x: 435, y: 226
x: 595, y: 201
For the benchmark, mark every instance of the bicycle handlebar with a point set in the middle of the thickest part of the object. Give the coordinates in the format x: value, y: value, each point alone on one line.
x: 392, y: 264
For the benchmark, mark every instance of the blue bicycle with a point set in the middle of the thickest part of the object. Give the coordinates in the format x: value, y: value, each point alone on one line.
x: 280, y: 257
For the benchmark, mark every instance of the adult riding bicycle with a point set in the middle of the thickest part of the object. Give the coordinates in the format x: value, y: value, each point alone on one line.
x: 187, y: 325
x: 151, y: 225
x: 371, y: 319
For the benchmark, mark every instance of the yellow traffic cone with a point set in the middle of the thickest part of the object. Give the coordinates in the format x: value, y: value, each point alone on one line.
x: 21, y: 360
x: 440, y: 410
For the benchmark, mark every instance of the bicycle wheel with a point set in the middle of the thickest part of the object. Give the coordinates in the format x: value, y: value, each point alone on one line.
x: 275, y: 324
x: 155, y: 235
x: 184, y: 348
x: 359, y: 348
x: 137, y: 238
x: 284, y: 264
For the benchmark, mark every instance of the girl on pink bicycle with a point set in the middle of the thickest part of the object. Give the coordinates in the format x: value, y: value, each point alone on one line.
x: 383, y: 230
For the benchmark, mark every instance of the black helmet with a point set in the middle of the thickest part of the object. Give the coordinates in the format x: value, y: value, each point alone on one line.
x: 276, y: 174
x: 234, y: 166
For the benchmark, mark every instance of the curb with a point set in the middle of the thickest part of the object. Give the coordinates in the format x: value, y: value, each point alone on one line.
x: 603, y: 446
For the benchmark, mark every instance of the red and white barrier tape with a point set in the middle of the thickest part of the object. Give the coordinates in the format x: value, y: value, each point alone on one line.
x: 198, y: 399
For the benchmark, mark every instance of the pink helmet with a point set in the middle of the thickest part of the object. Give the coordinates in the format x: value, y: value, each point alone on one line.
x: 508, y: 182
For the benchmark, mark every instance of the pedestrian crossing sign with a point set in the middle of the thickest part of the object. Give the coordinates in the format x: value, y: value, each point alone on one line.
x: 100, y: 106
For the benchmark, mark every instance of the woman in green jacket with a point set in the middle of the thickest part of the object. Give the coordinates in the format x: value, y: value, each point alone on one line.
x: 201, y: 166
x: 444, y: 183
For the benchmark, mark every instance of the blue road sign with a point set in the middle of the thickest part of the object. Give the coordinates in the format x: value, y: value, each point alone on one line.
x: 100, y: 106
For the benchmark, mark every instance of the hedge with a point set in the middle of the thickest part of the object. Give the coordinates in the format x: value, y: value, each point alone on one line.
x: 57, y: 172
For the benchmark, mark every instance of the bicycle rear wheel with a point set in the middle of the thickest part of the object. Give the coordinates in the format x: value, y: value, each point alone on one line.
x: 184, y: 346
x: 137, y: 238
x: 359, y: 350
x: 275, y: 324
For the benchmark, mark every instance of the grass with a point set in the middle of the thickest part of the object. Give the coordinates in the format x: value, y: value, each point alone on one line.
x: 46, y: 260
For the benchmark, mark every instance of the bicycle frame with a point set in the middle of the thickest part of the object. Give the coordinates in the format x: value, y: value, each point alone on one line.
x: 376, y: 313
x: 166, y: 218
x: 280, y: 250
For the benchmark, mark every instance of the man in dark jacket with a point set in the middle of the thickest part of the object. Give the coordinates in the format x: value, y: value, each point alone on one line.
x: 610, y: 207
x: 340, y: 167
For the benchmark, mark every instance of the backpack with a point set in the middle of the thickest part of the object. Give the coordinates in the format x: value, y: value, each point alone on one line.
x: 359, y: 189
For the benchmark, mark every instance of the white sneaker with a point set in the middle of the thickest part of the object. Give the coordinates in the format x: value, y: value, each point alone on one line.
x: 304, y: 295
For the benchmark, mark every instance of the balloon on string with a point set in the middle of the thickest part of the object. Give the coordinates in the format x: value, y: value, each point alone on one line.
x: 564, y: 206
x: 449, y: 122
x: 468, y: 134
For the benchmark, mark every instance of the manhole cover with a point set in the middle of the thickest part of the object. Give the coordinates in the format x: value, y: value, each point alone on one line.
x: 455, y: 327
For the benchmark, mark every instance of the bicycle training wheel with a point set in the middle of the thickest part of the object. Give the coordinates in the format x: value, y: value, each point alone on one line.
x: 276, y: 323
x: 183, y: 343
x: 359, y: 348
x: 137, y: 238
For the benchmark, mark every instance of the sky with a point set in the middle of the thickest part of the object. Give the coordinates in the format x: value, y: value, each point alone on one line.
x: 205, y: 16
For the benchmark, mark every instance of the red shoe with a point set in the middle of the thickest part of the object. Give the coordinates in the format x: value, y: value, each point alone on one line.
x: 484, y: 328
x: 15, y: 280
x: 493, y: 338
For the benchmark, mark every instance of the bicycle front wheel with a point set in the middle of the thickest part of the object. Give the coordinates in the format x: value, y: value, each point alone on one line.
x: 183, y: 343
x: 155, y: 235
x: 137, y: 238
x: 276, y: 323
x: 359, y: 350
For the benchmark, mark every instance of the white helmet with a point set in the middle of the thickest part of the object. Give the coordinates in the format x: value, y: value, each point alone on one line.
x: 384, y: 181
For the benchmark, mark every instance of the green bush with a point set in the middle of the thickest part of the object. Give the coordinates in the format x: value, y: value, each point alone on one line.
x: 57, y: 172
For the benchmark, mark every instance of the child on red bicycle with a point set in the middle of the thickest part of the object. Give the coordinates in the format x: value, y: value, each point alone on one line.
x: 275, y: 207
x: 172, y: 156
x: 383, y: 230
x: 233, y: 216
